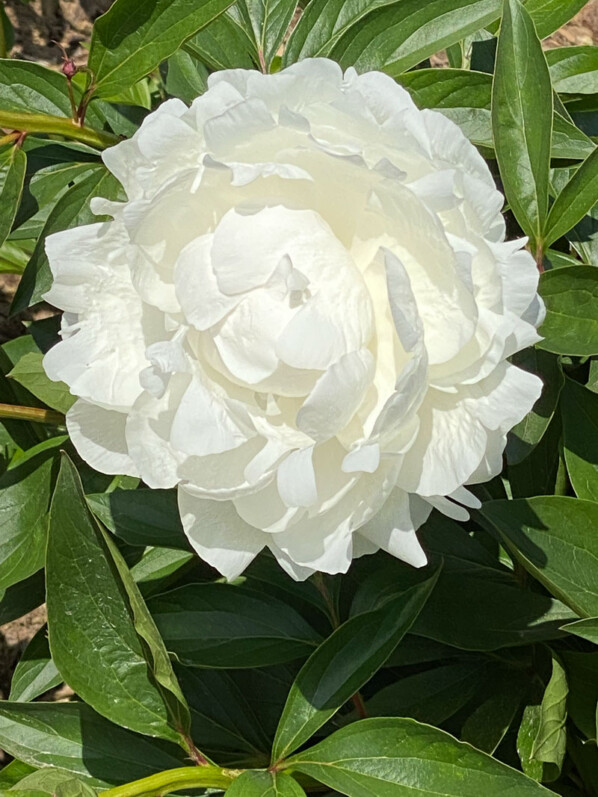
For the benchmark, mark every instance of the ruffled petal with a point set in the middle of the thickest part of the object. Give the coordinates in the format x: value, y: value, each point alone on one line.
x: 99, y: 437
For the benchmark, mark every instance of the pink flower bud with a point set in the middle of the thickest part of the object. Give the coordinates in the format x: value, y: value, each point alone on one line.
x: 68, y: 68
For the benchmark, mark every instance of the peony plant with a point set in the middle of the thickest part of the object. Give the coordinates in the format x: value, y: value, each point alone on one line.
x: 302, y: 458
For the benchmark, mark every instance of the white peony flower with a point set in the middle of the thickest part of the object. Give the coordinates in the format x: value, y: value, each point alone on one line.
x: 300, y: 317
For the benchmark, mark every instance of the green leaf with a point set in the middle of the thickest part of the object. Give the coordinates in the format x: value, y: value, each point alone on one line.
x: 522, y: 109
x: 23, y: 793
x: 141, y: 517
x: 464, y: 96
x: 582, y: 675
x: 321, y: 25
x: 158, y: 567
x: 430, y: 696
x: 22, y: 598
x: 30, y: 373
x: 45, y: 779
x: 344, y: 663
x: 187, y: 77
x: 448, y: 88
x: 132, y: 38
x: 234, y: 713
x: 526, y: 435
x: 549, y: 15
x: 504, y: 616
x: 30, y: 87
x: 13, y: 164
x: 74, y: 788
x: 586, y: 629
x: 266, y: 575
x: 550, y: 743
x: 488, y: 724
x: 13, y: 772
x: 396, y: 757
x: 220, y: 625
x: 576, y: 199
x: 528, y: 730
x: 568, y: 141
x: 73, y: 737
x: 259, y: 783
x: 397, y: 38
x: 224, y: 722
x: 13, y: 258
x: 580, y: 438
x: 71, y: 210
x: 571, y: 298
x: 223, y: 44
x: 584, y: 237
x: 46, y: 186
x: 269, y: 21
x: 574, y: 70
x: 553, y: 538
x: 25, y: 493
x: 98, y: 623
x: 35, y: 672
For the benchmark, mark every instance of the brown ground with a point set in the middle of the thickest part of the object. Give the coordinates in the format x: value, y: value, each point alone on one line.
x: 69, y: 22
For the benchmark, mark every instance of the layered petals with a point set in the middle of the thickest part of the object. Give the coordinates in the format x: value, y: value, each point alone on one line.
x: 301, y: 318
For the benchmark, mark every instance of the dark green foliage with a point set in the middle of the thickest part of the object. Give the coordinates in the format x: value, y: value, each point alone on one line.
x: 475, y: 676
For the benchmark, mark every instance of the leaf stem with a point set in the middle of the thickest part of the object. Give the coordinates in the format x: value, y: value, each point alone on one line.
x: 58, y: 125
x: 263, y: 66
x: 359, y: 704
x: 540, y: 256
x: 9, y: 138
x: 196, y: 755
x: 31, y: 414
x: 175, y: 779
x: 322, y: 587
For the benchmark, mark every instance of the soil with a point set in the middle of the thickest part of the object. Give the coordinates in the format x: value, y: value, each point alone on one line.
x: 39, y: 26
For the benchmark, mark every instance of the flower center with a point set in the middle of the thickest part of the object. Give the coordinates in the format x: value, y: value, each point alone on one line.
x: 276, y: 297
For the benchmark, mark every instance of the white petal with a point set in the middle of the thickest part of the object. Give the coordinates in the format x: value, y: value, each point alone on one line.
x: 246, y: 339
x: 247, y: 248
x: 336, y: 396
x: 148, y: 434
x: 218, y: 534
x: 448, y: 508
x: 296, y: 479
x: 99, y: 437
x: 393, y: 528
x: 365, y: 458
x: 311, y: 543
x: 463, y: 496
x: 222, y: 476
x: 103, y: 352
x: 207, y: 422
x: 202, y: 301
x: 236, y: 125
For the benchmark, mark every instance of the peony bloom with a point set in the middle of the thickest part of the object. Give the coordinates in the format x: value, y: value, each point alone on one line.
x: 300, y: 317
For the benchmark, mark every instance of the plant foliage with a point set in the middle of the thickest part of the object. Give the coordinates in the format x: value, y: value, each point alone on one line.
x: 475, y: 676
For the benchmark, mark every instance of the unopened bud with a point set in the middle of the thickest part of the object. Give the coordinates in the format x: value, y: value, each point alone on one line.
x: 68, y: 68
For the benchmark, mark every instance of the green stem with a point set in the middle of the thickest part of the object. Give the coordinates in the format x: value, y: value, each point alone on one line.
x: 30, y: 414
x: 540, y: 255
x: 58, y: 125
x: 9, y: 138
x: 175, y: 779
x: 322, y: 587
